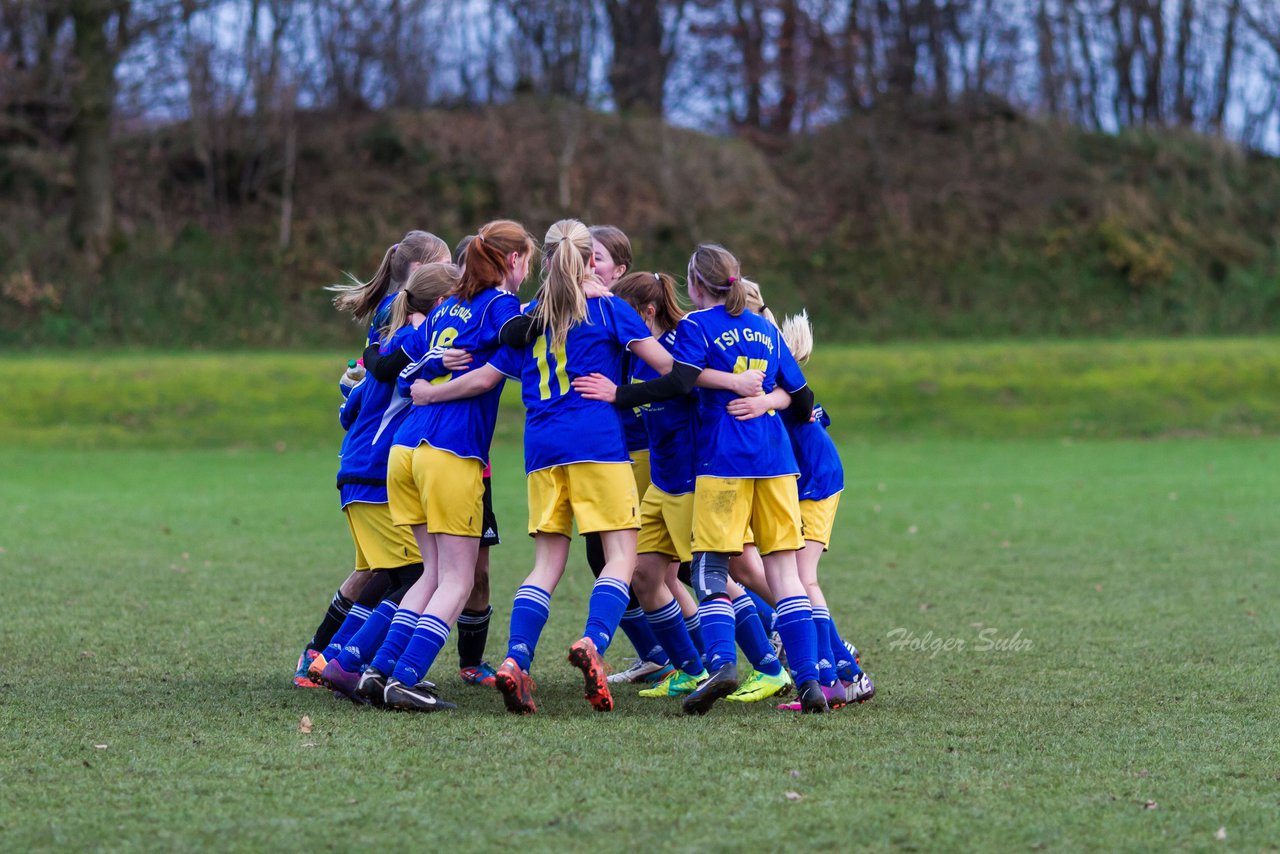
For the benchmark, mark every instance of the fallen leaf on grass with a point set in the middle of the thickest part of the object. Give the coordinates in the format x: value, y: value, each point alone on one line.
x: 1098, y: 587
x: 1173, y: 496
x: 1220, y: 834
x: 913, y: 530
x: 304, y: 726
x: 1150, y: 805
x: 308, y: 744
x: 100, y: 747
x: 794, y: 796
x: 795, y: 772
x: 88, y: 653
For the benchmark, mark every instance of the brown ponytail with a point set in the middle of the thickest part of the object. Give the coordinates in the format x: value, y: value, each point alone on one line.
x: 485, y: 257
x: 714, y: 269
x: 361, y: 298
x: 642, y: 290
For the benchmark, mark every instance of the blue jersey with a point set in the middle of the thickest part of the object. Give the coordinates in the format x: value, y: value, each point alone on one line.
x: 561, y: 426
x: 821, y: 473
x: 370, y: 415
x: 726, y: 447
x: 670, y: 426
x: 461, y: 427
x: 633, y: 429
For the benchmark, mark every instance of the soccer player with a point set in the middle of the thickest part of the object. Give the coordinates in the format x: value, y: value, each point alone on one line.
x: 367, y: 302
x: 575, y: 455
x: 746, y: 475
x: 435, y: 471
x: 666, y: 514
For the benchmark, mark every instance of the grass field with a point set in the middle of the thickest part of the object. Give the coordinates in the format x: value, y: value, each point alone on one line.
x: 1073, y: 640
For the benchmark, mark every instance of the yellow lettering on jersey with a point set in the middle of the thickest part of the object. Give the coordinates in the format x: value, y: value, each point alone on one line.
x: 544, y: 369
x: 743, y: 364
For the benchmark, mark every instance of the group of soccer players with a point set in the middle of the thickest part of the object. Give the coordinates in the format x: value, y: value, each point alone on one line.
x: 684, y: 445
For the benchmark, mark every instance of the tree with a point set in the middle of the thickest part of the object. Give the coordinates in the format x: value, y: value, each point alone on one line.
x: 643, y: 34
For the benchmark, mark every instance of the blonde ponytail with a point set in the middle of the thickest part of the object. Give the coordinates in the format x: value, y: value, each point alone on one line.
x: 797, y: 331
x: 565, y: 266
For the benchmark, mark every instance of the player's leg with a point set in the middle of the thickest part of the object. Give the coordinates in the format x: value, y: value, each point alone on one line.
x: 603, y: 498
x: 775, y: 520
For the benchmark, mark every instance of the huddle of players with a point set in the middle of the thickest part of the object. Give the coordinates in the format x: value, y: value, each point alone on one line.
x: 684, y: 446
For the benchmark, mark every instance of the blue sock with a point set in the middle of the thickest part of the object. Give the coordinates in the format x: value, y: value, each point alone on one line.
x: 398, y: 634
x: 354, y: 620
x: 799, y: 638
x: 529, y: 614
x: 693, y: 624
x: 609, y: 598
x: 364, y: 643
x: 669, y: 627
x: 426, y: 643
x: 846, y: 668
x: 765, y: 610
x: 718, y: 628
x: 637, y: 629
x: 822, y: 629
x: 752, y: 638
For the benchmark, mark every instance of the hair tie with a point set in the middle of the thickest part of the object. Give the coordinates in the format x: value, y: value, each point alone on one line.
x: 733, y: 279
x: 394, y: 247
x: 657, y: 278
x: 763, y: 308
x: 480, y: 237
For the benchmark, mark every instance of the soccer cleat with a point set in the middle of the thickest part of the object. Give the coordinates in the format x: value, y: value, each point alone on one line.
x: 482, y: 674
x: 516, y: 687
x: 859, y: 690
x: 813, y: 700
x: 595, y: 681
x: 315, y: 669
x: 418, y: 698
x: 300, y: 677
x: 722, y: 683
x: 372, y: 686
x: 677, y: 683
x: 761, y: 686
x: 641, y: 671
x: 340, y: 679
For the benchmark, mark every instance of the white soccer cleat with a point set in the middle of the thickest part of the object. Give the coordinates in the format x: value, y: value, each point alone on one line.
x: 641, y: 671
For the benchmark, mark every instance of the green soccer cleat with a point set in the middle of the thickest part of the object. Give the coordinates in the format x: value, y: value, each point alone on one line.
x: 761, y: 686
x: 676, y: 684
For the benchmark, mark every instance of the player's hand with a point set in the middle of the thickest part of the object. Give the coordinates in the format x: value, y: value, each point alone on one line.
x: 422, y: 392
x: 456, y: 360
x: 746, y: 408
x: 748, y: 383
x: 593, y: 287
x: 596, y: 387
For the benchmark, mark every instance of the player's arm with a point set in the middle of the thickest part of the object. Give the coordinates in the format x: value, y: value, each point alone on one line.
x: 470, y: 384
x: 746, y: 408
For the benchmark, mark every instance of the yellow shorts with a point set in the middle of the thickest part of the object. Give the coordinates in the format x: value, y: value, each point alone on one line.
x: 600, y: 496
x: 428, y: 486
x: 640, y: 469
x: 724, y: 507
x: 666, y: 524
x: 818, y: 518
x: 379, y: 543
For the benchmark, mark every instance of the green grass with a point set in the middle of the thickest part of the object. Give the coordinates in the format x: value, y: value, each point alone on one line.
x: 1090, y: 389
x: 158, y: 599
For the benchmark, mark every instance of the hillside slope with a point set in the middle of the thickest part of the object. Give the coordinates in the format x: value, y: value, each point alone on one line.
x: 944, y: 223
